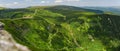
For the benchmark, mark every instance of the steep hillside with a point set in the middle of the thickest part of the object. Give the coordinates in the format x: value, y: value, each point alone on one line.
x: 51, y: 29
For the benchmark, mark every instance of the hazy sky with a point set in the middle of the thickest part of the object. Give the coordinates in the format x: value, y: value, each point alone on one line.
x: 26, y: 3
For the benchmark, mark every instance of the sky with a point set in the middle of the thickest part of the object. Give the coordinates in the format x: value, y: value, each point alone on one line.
x: 27, y: 3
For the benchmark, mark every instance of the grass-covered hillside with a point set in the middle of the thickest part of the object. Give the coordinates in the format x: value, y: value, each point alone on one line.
x: 63, y: 28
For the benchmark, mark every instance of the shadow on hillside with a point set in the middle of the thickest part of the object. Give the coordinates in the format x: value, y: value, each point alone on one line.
x: 107, y: 30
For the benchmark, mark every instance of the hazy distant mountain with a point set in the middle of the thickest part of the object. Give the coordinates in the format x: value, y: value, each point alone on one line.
x: 66, y: 8
x: 2, y: 8
x: 113, y: 10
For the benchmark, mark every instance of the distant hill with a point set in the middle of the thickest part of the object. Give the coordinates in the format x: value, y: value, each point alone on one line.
x: 113, y: 10
x: 65, y: 7
x: 2, y: 8
x: 69, y: 11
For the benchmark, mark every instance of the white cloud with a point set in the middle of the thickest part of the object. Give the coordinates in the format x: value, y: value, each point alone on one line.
x: 47, y: 2
x: 42, y: 1
x: 73, y: 0
x: 1, y: 5
x: 58, y: 1
x: 29, y: 0
x: 15, y: 3
x: 10, y: 4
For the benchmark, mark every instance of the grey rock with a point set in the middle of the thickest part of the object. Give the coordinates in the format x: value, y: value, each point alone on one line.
x: 7, y: 43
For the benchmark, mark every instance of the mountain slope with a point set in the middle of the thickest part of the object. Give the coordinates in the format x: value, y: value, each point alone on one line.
x: 65, y: 30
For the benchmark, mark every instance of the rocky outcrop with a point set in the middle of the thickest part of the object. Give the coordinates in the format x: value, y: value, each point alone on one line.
x: 7, y: 43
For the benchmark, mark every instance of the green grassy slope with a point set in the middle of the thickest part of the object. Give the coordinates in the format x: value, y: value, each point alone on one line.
x: 64, y: 30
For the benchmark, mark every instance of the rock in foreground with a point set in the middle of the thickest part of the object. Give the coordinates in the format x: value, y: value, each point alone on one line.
x: 8, y: 44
